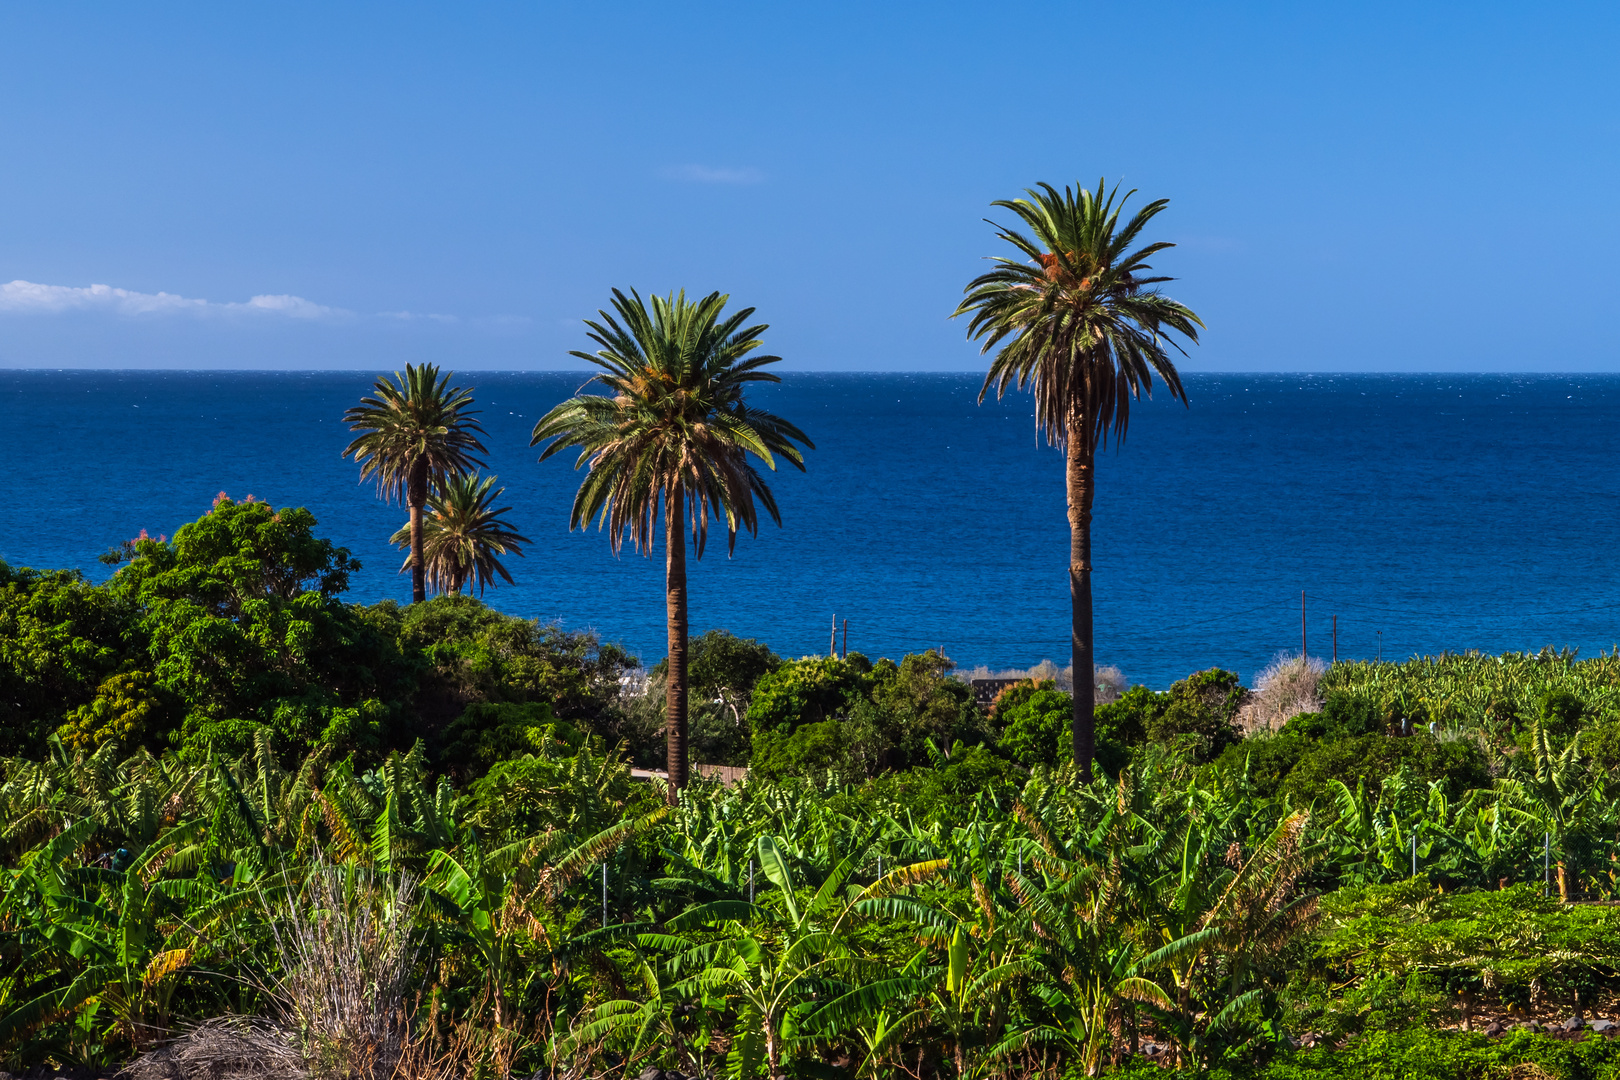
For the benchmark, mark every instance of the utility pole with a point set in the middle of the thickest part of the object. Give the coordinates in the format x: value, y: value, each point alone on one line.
x: 1335, y: 639
x: 1302, y: 653
x: 844, y: 652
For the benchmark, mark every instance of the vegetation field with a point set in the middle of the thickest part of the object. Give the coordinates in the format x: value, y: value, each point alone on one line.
x: 396, y: 840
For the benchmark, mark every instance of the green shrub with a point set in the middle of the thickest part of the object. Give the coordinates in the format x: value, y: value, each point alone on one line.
x: 1124, y: 722
x: 1601, y: 742
x: 1262, y: 762
x: 1422, y: 1054
x: 1035, y: 720
x: 130, y: 709
x: 1368, y: 759
x: 1198, y: 714
x: 1561, y: 713
x: 806, y: 691
x: 490, y: 732
x: 810, y: 751
x: 1344, y: 715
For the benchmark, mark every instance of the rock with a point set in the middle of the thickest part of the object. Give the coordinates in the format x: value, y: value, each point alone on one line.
x: 651, y: 1072
x: 1531, y: 1025
x: 1151, y: 1049
x: 1572, y: 1025
x: 1605, y: 1027
x: 1494, y: 1028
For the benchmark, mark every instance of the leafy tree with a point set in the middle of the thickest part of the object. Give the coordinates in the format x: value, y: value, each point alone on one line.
x: 1085, y: 329
x: 919, y: 703
x: 417, y: 435
x: 129, y: 708
x: 807, y: 691
x: 61, y: 638
x: 243, y: 624
x: 463, y: 537
x: 490, y: 732
x: 1199, y: 713
x: 811, y: 750
x: 470, y: 652
x: 722, y: 671
x: 725, y: 669
x: 675, y: 435
x: 1036, y: 716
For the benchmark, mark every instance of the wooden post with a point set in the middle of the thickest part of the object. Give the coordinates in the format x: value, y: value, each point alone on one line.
x: 1302, y: 652
x: 832, y: 639
x: 844, y: 652
x: 1335, y: 639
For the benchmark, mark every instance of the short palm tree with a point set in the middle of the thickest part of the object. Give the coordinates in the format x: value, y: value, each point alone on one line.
x: 1076, y: 317
x: 418, y: 434
x: 674, y: 432
x: 463, y: 536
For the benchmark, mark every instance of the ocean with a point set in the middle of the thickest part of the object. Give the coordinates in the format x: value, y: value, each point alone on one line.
x: 1416, y: 513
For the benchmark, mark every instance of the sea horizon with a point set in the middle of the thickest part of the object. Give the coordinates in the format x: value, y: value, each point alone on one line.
x: 931, y: 521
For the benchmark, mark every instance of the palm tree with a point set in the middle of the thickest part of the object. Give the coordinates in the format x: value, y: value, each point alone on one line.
x: 1085, y: 329
x: 677, y: 433
x: 462, y: 536
x: 418, y: 434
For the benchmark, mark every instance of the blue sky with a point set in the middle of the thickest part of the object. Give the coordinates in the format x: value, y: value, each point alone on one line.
x: 1353, y: 187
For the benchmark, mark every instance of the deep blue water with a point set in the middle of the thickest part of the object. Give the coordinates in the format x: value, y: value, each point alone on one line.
x: 1448, y: 512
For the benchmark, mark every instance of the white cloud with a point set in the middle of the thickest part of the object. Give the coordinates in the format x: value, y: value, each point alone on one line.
x: 31, y: 298
x: 294, y: 307
x: 414, y: 316
x: 703, y: 174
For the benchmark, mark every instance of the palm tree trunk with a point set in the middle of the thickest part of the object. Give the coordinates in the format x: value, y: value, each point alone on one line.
x: 418, y: 571
x: 675, y: 596
x: 416, y: 498
x: 1081, y: 485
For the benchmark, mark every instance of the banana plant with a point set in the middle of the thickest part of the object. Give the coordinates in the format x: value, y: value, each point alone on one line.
x: 118, y: 941
x: 1555, y: 792
x: 770, y: 960
x: 487, y: 900
x: 1074, y: 922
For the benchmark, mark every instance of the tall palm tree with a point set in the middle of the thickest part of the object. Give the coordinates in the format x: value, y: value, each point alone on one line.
x: 463, y: 536
x: 674, y: 432
x: 418, y: 433
x: 1076, y: 318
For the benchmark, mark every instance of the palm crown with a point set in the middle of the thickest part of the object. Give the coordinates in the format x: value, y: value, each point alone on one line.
x: 417, y: 435
x: 1087, y: 328
x: 463, y: 536
x: 1078, y: 320
x: 674, y: 432
x: 676, y: 424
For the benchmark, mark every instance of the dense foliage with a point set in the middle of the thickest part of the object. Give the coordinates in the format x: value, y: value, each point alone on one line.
x: 214, y: 743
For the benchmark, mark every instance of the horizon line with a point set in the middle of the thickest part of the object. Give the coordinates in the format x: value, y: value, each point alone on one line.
x: 794, y: 371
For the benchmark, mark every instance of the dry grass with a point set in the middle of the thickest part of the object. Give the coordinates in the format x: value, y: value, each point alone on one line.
x: 1110, y: 683
x: 346, y: 952
x: 232, y: 1047
x: 1290, y: 686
